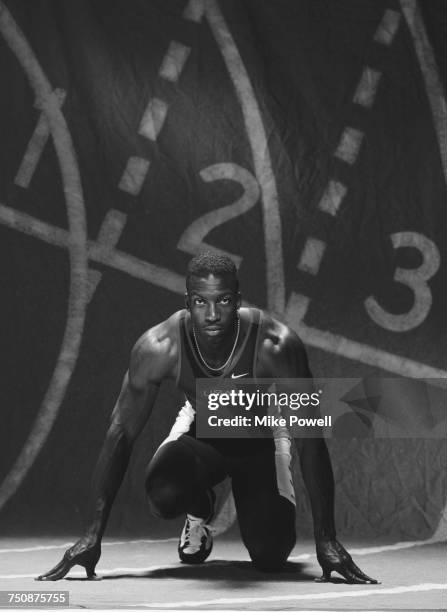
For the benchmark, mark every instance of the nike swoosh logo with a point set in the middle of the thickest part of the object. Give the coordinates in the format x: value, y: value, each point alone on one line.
x: 239, y: 375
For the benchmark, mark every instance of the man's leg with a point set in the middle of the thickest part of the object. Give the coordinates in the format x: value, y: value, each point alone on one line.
x: 180, y: 475
x: 266, y: 518
x: 179, y: 480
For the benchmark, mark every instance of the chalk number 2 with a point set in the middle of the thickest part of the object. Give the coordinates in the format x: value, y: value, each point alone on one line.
x: 192, y: 239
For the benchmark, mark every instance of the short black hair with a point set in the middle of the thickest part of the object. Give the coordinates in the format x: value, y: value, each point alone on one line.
x: 209, y: 262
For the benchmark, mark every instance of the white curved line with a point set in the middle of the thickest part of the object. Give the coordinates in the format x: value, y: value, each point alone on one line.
x: 353, y: 592
x: 438, y: 105
x: 28, y: 549
x: 70, y: 345
x: 261, y: 156
x: 430, y: 74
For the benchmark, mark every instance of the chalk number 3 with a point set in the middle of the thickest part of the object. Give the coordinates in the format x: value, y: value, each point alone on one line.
x: 415, y: 278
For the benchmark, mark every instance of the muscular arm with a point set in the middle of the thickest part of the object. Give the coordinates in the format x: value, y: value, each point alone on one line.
x: 129, y: 416
x: 319, y: 480
x: 149, y: 363
x: 289, y: 360
x: 314, y: 457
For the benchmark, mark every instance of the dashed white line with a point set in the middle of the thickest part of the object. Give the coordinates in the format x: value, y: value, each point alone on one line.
x: 367, y: 87
x: 387, y: 28
x: 349, y: 145
x: 153, y: 119
x: 194, y: 10
x: 347, y: 151
x: 156, y: 111
x: 296, y: 309
x: 134, y: 175
x: 111, y: 228
x: 109, y: 234
x: 174, y: 61
x: 332, y: 197
x: 312, y: 255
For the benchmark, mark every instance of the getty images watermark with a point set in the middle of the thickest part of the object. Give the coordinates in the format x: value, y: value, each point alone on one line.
x: 331, y: 407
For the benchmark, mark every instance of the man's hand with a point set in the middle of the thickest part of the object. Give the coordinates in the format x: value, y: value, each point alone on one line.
x: 85, y: 552
x: 333, y: 557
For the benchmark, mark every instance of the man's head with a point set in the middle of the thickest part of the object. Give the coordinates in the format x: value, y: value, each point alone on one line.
x: 212, y: 294
x: 206, y: 263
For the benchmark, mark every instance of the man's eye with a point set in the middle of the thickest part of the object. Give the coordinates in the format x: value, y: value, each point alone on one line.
x: 225, y: 300
x: 198, y: 301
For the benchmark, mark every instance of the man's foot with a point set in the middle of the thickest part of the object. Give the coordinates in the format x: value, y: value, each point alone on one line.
x: 196, y: 540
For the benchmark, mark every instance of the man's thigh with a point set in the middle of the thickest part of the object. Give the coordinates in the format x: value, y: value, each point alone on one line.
x: 180, y: 470
x: 266, y: 518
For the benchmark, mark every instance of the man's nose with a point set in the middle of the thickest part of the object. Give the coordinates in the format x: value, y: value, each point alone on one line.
x: 212, y: 313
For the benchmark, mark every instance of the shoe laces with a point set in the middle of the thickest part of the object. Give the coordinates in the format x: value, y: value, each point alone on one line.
x: 195, y: 529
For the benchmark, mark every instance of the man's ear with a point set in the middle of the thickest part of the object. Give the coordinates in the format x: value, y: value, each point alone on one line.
x: 187, y: 304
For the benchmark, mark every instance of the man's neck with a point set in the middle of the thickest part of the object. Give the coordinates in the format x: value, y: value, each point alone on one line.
x: 216, y: 350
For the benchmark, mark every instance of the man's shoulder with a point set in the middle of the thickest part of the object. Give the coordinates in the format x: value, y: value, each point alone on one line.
x: 277, y: 336
x: 281, y: 353
x: 156, y: 351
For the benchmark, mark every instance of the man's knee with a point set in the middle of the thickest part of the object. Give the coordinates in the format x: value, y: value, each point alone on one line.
x: 271, y: 556
x: 165, y: 499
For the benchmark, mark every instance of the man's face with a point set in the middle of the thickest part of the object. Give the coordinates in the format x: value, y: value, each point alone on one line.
x: 213, y: 302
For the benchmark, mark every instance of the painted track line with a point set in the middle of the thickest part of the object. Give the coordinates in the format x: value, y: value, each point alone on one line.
x: 367, y: 550
x: 430, y: 74
x: 166, y: 279
x: 347, y: 151
x: 117, y: 571
x: 438, y: 105
x: 353, y: 592
x: 62, y: 546
x: 36, y: 145
x: 374, y: 550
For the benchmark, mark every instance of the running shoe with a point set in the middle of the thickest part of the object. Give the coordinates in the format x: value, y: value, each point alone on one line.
x: 196, y: 540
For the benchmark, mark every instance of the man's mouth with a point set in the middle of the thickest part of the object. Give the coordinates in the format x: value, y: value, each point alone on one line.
x: 212, y: 329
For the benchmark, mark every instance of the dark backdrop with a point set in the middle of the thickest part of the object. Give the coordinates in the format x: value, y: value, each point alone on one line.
x: 307, y: 138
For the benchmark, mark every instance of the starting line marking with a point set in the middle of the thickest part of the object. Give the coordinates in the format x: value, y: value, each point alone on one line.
x: 66, y: 544
x: 135, y: 571
x: 142, y: 571
x: 353, y: 592
x: 165, y: 278
x: 367, y: 550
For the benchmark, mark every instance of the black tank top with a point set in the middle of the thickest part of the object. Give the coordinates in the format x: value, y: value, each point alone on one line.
x: 243, y: 362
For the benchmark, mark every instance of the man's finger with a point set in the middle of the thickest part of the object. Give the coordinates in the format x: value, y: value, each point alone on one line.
x: 347, y: 573
x: 58, y: 571
x: 358, y: 572
x: 353, y: 573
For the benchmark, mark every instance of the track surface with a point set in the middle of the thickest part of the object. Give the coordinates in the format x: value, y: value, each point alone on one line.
x: 147, y: 574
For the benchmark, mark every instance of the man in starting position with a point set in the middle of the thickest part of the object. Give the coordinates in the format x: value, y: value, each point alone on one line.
x: 214, y: 337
